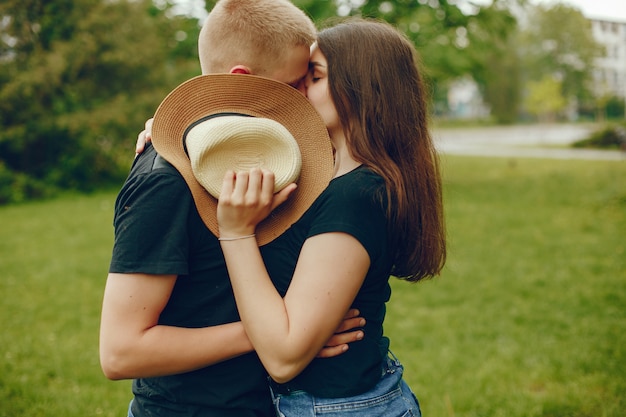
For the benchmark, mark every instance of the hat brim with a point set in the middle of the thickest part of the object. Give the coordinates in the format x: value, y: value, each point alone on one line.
x: 255, y: 96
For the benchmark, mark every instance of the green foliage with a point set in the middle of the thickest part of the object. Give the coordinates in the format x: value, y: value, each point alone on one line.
x: 527, y: 319
x: 604, y: 107
x: 544, y: 98
x: 495, y: 61
x: 611, y: 136
x: 558, y: 41
x: 80, y: 77
x: 20, y: 187
x: 433, y: 28
x: 319, y: 11
x: 450, y: 43
x: 614, y: 107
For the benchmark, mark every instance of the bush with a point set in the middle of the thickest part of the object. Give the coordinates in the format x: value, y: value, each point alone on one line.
x: 609, y: 137
x: 615, y: 108
x: 17, y: 187
x: 74, y: 95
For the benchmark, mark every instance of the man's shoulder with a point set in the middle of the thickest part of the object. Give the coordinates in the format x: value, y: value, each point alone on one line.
x: 153, y: 173
x: 153, y: 182
x: 149, y: 162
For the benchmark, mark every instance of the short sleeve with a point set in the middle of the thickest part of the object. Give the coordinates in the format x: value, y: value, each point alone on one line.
x: 354, y: 205
x: 150, y: 223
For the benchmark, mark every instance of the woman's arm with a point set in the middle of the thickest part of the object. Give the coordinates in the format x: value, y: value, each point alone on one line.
x: 134, y: 345
x: 286, y: 333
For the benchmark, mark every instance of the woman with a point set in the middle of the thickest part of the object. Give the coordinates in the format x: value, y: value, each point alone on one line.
x: 381, y: 215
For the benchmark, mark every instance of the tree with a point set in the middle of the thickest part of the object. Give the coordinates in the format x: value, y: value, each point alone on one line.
x: 557, y: 40
x: 495, y: 61
x: 79, y: 77
x: 439, y: 29
x: 77, y: 80
x: 545, y: 99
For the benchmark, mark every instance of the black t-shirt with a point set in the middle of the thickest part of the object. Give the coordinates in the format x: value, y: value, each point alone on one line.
x: 353, y: 203
x: 158, y: 231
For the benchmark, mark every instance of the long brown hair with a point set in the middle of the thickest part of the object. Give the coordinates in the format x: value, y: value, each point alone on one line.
x: 380, y: 97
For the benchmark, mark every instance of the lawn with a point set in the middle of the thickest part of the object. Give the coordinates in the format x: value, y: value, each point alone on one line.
x: 527, y: 319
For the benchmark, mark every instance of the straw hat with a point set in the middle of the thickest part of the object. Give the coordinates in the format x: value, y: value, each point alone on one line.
x: 240, y: 143
x: 216, y: 122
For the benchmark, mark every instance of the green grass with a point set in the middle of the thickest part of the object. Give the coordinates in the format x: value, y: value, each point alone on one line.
x: 527, y: 319
x: 53, y: 268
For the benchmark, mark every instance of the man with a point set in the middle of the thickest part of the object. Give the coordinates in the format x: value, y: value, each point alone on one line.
x: 169, y: 319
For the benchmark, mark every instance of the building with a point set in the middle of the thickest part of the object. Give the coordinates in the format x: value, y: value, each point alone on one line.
x: 609, y: 75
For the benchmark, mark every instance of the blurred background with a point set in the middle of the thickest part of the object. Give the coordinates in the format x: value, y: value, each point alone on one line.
x: 528, y: 317
x: 78, y: 78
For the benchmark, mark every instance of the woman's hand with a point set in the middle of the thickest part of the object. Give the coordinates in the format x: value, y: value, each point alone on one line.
x: 144, y: 137
x: 246, y: 199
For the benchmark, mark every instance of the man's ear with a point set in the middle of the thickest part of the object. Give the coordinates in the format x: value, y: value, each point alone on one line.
x: 240, y: 69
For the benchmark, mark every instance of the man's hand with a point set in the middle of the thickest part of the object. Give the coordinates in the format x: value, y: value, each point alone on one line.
x: 144, y: 137
x: 347, y: 332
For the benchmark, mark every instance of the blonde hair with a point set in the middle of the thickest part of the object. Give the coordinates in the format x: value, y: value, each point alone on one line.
x: 254, y: 33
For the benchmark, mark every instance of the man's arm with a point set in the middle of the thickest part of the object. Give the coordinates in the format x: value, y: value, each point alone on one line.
x: 134, y: 345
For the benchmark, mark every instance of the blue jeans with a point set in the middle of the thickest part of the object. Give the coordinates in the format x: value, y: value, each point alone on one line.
x: 130, y: 413
x: 391, y: 397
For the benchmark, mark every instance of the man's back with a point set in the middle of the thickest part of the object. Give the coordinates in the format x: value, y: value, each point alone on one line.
x: 158, y: 231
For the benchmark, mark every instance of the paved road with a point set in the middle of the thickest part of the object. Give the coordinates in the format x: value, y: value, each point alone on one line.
x: 528, y: 141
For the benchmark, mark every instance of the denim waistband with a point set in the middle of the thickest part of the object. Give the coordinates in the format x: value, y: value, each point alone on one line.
x: 390, y: 363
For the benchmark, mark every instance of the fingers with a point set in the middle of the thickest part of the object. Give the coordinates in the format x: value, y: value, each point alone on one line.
x: 329, y: 352
x: 350, y: 324
x: 144, y: 137
x: 344, y: 338
x: 148, y: 129
x: 267, y: 187
x: 338, y: 344
x: 256, y: 188
x: 246, y: 198
x: 353, y: 312
x: 283, y: 195
x: 141, y: 142
x: 244, y: 202
x: 240, y: 188
x: 228, y: 185
x: 260, y: 190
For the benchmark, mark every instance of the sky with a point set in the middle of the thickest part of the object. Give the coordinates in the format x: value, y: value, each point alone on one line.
x: 602, y: 9
x: 606, y: 9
